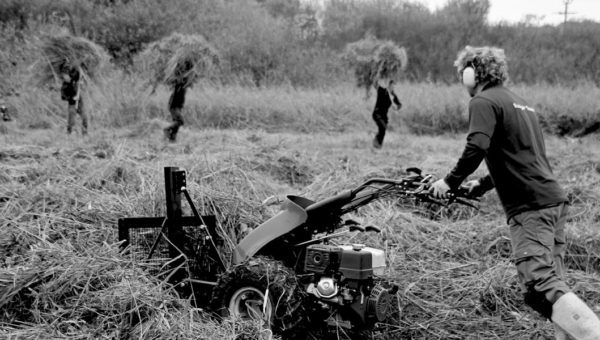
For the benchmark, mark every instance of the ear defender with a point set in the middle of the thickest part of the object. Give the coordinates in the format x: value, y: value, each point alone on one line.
x: 468, y: 77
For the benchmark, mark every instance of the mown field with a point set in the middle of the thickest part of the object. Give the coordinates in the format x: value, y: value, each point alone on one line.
x: 62, y: 274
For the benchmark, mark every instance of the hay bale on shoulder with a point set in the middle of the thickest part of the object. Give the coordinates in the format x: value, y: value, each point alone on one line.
x: 360, y: 56
x: 373, y: 59
x: 64, y: 52
x: 178, y: 60
x: 390, y: 59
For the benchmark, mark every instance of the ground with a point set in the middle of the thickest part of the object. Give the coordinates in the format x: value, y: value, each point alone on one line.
x: 60, y: 198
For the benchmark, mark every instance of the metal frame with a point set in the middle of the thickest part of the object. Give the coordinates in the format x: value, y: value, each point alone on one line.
x: 174, y: 230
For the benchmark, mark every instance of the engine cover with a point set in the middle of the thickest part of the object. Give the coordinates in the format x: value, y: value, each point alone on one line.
x: 321, y: 258
x: 377, y: 257
x: 356, y: 262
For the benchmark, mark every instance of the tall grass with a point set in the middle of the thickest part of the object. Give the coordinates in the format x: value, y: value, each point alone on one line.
x: 121, y: 99
x: 566, y: 110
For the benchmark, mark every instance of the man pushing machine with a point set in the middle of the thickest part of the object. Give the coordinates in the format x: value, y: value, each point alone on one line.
x: 504, y: 130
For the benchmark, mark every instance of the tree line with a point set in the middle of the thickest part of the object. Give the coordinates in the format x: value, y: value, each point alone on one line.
x: 301, y: 42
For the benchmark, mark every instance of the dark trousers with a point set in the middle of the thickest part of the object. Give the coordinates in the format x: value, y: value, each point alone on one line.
x: 177, y: 118
x: 381, y: 119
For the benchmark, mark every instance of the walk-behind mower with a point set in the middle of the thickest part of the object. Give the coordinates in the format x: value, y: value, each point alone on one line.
x: 289, y: 271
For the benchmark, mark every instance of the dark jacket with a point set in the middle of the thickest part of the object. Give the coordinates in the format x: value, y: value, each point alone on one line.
x: 68, y: 90
x: 504, y: 131
x: 177, y: 98
x: 383, y: 102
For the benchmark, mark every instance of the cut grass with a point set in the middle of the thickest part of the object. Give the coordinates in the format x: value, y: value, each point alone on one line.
x: 63, y: 274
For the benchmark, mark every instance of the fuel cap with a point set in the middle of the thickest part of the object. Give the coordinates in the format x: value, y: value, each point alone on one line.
x: 358, y: 246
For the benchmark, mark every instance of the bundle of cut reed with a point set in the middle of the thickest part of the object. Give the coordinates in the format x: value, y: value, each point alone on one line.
x: 63, y: 52
x: 178, y: 60
x: 373, y: 59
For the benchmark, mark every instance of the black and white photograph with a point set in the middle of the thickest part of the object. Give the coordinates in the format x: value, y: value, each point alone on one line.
x: 300, y: 169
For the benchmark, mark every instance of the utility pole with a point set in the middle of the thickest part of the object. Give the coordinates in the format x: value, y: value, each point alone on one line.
x: 566, y: 12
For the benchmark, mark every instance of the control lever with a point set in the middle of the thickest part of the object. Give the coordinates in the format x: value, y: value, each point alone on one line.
x: 350, y: 222
x: 394, y: 289
x: 414, y: 170
x: 357, y: 227
x: 373, y: 228
x: 353, y: 225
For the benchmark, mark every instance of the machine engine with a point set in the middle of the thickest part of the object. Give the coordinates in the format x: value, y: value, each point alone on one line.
x: 344, y: 280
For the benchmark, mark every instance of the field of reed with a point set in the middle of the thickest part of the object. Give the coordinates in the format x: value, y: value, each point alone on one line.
x: 119, y: 99
x: 63, y: 275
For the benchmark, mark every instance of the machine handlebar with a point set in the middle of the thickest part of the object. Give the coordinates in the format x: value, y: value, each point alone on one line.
x: 415, y: 184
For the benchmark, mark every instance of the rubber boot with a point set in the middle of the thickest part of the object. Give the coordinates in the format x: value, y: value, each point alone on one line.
x: 576, y: 318
x: 559, y: 334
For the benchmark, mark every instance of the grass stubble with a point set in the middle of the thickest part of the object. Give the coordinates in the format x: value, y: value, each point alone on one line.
x: 62, y: 274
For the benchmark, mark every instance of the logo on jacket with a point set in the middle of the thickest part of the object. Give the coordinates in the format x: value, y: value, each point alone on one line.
x: 523, y: 107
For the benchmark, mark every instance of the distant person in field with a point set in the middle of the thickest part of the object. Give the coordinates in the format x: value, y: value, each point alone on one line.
x: 70, y: 92
x: 4, y: 112
x: 385, y: 98
x: 176, y: 101
x: 504, y: 131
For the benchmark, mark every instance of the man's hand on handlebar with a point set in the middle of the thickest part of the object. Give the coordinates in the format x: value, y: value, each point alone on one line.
x: 439, y: 189
x: 474, y: 188
x: 470, y: 190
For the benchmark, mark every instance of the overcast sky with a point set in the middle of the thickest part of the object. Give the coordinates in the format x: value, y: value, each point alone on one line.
x: 516, y: 10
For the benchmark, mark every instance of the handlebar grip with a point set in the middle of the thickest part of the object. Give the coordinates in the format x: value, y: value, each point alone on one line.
x: 356, y: 227
x: 464, y: 192
x: 458, y: 193
x: 414, y: 170
x: 373, y: 228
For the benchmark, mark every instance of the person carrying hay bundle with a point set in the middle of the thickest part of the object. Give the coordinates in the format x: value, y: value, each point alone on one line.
x: 176, y: 101
x: 4, y: 111
x: 70, y: 92
x: 376, y: 63
x: 72, y: 59
x: 178, y: 61
x: 385, y: 98
x: 504, y: 130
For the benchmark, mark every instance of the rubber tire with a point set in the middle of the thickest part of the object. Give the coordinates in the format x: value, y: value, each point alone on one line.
x: 322, y: 331
x: 289, y: 317
x: 330, y: 333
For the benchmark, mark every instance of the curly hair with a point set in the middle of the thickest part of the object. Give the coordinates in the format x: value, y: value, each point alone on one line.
x: 489, y: 63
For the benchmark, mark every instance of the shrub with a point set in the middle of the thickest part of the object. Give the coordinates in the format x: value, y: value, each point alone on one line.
x: 15, y: 11
x: 132, y: 24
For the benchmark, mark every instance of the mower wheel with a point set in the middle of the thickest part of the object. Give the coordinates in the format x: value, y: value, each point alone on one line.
x: 263, y: 289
